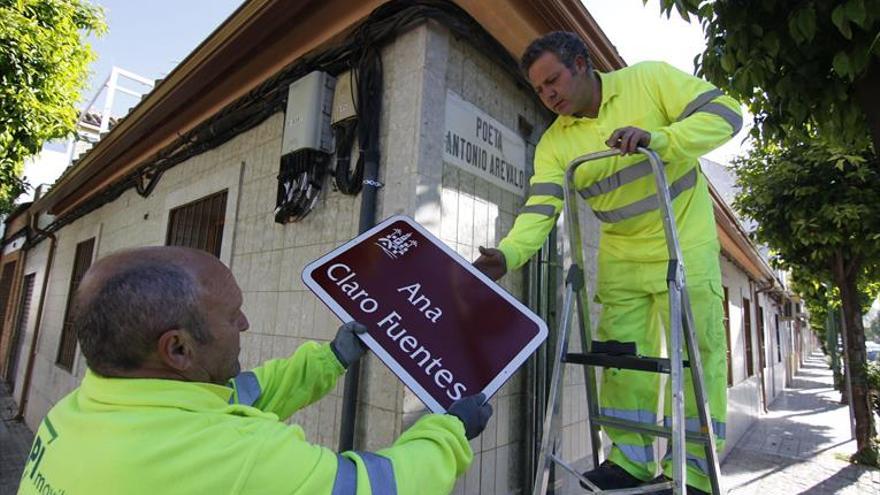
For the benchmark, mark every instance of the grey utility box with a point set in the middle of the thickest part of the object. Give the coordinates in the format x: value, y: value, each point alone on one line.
x: 307, y: 120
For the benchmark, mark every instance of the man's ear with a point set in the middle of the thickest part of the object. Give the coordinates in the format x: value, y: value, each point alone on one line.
x: 175, y: 349
x: 581, y: 65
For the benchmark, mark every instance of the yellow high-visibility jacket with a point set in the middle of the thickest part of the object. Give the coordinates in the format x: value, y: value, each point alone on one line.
x: 686, y: 117
x: 152, y: 436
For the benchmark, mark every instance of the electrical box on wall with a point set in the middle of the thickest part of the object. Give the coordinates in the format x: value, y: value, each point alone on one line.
x: 306, y: 146
x: 307, y: 120
x: 343, y: 99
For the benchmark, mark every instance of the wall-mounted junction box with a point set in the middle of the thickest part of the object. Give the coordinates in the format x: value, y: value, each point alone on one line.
x: 343, y: 98
x: 307, y: 120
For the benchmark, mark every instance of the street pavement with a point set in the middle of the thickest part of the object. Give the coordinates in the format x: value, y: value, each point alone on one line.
x: 801, y: 445
x: 15, y: 443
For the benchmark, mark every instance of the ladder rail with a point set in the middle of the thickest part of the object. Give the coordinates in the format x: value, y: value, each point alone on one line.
x: 650, y: 429
x: 686, y: 321
x: 572, y: 222
x: 701, y: 399
x: 542, y: 475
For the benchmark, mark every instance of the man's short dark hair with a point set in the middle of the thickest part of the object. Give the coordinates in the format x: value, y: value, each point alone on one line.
x: 119, y: 326
x: 567, y: 46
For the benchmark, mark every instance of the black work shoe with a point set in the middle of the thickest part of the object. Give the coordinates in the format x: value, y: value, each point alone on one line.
x: 690, y: 490
x: 609, y: 476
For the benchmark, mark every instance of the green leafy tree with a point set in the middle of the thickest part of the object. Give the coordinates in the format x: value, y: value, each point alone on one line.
x: 43, y: 69
x: 819, y: 209
x: 810, y: 67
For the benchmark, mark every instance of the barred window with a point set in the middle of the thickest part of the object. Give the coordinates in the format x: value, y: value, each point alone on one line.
x: 24, y: 311
x: 198, y: 224
x: 762, y: 359
x: 8, y: 274
x: 81, y: 263
x: 747, y: 329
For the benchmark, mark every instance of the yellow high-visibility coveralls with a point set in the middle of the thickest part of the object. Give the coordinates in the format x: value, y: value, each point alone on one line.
x: 148, y: 436
x: 686, y: 117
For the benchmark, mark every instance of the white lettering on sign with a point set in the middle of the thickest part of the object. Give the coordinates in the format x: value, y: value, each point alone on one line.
x: 421, y: 355
x: 343, y: 276
x: 479, y: 144
x: 421, y: 302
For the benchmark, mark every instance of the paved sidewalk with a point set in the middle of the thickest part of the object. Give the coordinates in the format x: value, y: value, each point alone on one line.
x: 15, y: 443
x: 800, y: 447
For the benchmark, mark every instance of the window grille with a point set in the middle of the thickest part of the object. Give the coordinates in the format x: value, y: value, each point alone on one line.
x: 81, y: 263
x: 198, y: 224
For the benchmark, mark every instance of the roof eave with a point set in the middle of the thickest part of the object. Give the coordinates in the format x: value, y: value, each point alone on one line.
x: 256, y: 42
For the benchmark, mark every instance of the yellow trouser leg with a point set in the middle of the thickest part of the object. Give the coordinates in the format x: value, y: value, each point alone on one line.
x: 706, y: 304
x: 635, y: 309
x: 630, y: 316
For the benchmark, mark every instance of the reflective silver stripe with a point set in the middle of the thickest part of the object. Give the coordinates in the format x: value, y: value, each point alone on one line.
x: 637, y: 415
x: 546, y: 210
x: 247, y: 388
x: 380, y: 472
x: 617, y: 179
x: 734, y: 119
x: 346, y: 477
x: 693, y: 425
x: 546, y: 189
x: 701, y: 464
x: 645, y: 205
x: 700, y: 101
x: 637, y: 453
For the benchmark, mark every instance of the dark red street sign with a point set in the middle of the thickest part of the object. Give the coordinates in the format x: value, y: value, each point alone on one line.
x: 441, y: 326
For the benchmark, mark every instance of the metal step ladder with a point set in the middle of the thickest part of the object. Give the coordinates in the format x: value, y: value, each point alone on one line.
x: 623, y: 355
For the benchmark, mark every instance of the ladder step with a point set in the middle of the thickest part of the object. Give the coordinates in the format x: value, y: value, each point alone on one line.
x: 626, y: 362
x: 650, y: 429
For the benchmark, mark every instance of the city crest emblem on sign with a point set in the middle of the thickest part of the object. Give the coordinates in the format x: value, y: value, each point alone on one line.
x: 396, y: 244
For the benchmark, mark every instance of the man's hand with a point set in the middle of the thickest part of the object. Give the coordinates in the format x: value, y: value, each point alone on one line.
x: 491, y: 262
x: 474, y: 412
x: 347, y: 347
x: 627, y: 139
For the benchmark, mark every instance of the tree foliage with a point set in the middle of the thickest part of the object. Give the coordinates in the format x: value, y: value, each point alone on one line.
x: 803, y: 68
x: 43, y: 69
x: 812, y: 202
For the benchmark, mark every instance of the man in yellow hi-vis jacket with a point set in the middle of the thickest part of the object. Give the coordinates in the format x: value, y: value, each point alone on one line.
x: 164, y: 408
x: 681, y: 117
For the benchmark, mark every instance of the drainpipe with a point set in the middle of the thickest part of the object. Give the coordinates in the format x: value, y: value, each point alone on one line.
x: 32, y: 354
x: 370, y: 93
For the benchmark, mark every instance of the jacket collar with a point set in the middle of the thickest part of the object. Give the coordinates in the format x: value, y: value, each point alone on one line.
x: 154, y: 392
x: 609, y: 92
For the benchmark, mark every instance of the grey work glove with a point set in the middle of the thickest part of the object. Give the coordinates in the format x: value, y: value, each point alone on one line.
x: 474, y: 412
x: 346, y: 345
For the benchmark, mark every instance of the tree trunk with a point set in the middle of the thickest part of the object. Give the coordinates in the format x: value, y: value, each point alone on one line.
x: 845, y: 273
x: 869, y: 100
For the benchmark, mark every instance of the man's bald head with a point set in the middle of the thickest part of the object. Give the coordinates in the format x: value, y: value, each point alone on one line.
x: 128, y: 299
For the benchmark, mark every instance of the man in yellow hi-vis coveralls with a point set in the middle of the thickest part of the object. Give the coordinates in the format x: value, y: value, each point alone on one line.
x: 681, y: 117
x: 164, y: 407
